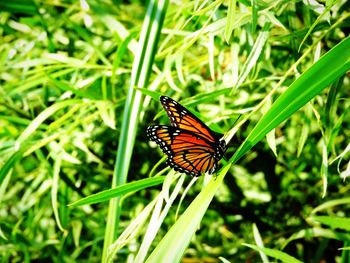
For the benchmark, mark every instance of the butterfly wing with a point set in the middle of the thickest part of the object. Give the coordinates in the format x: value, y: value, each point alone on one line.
x: 193, y: 163
x: 186, y: 152
x: 181, y: 118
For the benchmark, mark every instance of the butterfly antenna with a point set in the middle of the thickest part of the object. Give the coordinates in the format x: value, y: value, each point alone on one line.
x: 240, y: 115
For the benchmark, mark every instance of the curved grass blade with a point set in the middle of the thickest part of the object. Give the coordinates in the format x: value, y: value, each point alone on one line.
x: 284, y: 257
x: 172, y: 246
x: 34, y: 125
x: 333, y: 221
x: 11, y: 161
x: 254, y: 54
x: 331, y: 204
x: 118, y: 191
x: 328, y: 69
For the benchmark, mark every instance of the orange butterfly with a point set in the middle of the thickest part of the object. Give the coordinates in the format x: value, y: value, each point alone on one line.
x: 192, y: 148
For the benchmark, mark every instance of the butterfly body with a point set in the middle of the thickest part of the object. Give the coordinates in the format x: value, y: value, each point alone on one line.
x: 191, y: 147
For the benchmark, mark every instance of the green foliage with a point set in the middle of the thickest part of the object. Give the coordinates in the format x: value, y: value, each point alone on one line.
x: 118, y: 191
x: 80, y: 83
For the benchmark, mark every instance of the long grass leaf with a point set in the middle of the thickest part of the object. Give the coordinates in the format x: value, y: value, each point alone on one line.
x: 333, y: 221
x: 329, y: 68
x: 254, y: 54
x: 284, y: 257
x: 54, y: 189
x: 172, y: 246
x: 141, y: 70
x: 118, y: 191
x: 34, y: 125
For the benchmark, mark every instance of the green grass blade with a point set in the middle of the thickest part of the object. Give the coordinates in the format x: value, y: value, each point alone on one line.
x: 37, y: 79
x: 158, y: 217
x: 9, y: 164
x: 54, y: 189
x: 86, y: 35
x: 19, y: 6
x: 326, y: 11
x: 330, y: 204
x: 329, y: 68
x: 254, y: 15
x: 118, y: 191
x: 254, y: 55
x: 34, y: 125
x: 317, y: 232
x: 141, y: 70
x: 284, y: 257
x: 259, y: 243
x: 305, y: 129
x: 80, y: 93
x: 230, y: 19
x: 333, y: 222
x: 172, y: 246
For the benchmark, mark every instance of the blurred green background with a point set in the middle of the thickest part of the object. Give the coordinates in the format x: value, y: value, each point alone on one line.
x: 78, y: 92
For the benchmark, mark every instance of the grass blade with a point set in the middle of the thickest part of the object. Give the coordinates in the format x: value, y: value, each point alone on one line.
x: 118, y: 191
x: 254, y: 55
x: 141, y: 69
x: 333, y: 221
x: 171, y: 247
x: 284, y: 257
x: 329, y: 68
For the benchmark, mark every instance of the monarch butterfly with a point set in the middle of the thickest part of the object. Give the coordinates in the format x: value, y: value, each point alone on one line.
x: 192, y: 148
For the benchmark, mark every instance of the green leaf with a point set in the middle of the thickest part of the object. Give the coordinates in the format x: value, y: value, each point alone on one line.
x: 333, y: 221
x: 329, y: 68
x: 9, y: 164
x: 19, y: 6
x: 254, y: 54
x: 331, y: 204
x: 54, y: 189
x: 260, y: 243
x: 141, y: 70
x: 276, y: 254
x: 35, y: 124
x: 172, y: 246
x: 79, y: 92
x: 230, y: 19
x: 316, y: 232
x: 254, y: 15
x: 118, y: 191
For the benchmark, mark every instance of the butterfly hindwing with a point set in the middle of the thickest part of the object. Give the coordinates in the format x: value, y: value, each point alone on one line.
x: 193, y: 164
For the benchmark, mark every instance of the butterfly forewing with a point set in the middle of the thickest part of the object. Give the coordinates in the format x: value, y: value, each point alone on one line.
x: 180, y: 117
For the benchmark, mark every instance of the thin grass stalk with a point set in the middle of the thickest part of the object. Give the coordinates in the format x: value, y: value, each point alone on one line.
x: 140, y: 73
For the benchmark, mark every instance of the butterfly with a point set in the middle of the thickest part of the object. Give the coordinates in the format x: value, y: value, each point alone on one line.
x: 192, y: 148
